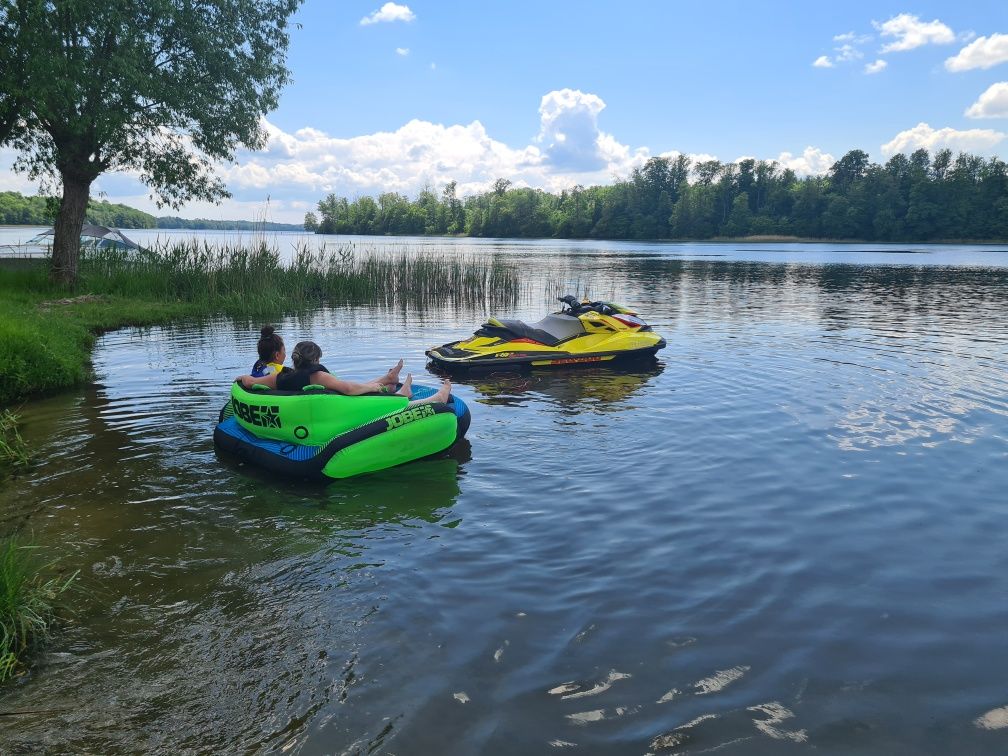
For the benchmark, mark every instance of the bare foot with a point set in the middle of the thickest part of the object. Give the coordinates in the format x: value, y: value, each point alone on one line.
x: 392, y: 376
x: 407, y: 387
x: 443, y: 393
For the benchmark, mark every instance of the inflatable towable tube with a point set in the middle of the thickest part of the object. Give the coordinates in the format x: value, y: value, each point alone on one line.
x: 319, y: 433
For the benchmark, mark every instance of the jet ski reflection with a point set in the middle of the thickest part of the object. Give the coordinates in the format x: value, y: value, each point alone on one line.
x: 592, y: 389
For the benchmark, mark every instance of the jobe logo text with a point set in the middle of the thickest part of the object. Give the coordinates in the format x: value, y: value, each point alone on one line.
x: 400, y: 419
x: 258, y: 414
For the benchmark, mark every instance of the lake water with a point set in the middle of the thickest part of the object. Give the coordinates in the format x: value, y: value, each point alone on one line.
x: 785, y: 535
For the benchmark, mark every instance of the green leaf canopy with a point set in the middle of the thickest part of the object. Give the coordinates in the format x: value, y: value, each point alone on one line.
x: 162, y: 89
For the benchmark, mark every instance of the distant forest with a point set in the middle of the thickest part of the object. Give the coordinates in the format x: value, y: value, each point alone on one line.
x: 909, y: 198
x: 19, y: 210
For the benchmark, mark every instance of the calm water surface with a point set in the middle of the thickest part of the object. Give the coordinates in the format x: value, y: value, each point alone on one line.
x: 786, y: 534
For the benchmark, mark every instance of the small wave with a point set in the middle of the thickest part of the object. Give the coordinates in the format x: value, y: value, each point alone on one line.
x: 995, y: 719
x: 720, y: 680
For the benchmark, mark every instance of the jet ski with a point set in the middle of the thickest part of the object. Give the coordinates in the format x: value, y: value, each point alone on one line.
x: 580, y: 333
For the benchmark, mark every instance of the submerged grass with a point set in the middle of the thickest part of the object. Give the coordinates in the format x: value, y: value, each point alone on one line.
x: 46, y: 332
x: 14, y: 455
x: 27, y: 603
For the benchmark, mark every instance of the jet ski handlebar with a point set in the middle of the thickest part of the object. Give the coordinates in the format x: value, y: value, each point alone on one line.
x: 574, y: 307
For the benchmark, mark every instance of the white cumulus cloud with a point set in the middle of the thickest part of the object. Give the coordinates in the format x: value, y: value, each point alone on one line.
x: 306, y: 164
x: 848, y: 52
x: 876, y: 67
x: 10, y: 181
x: 983, y: 52
x: 570, y: 136
x: 812, y: 162
x: 388, y: 13
x: 922, y: 135
x: 570, y: 149
x: 694, y: 157
x: 857, y: 39
x: 403, y: 51
x: 299, y: 167
x: 910, y: 32
x: 993, y: 103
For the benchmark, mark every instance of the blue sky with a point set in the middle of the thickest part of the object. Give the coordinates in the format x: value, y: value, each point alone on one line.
x: 395, y: 96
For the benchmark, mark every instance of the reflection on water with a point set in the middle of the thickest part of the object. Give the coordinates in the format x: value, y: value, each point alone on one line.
x: 424, y: 490
x: 785, y: 534
x: 570, y: 390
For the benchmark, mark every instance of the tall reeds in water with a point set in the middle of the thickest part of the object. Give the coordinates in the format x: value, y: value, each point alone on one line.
x: 27, y: 603
x: 255, y: 278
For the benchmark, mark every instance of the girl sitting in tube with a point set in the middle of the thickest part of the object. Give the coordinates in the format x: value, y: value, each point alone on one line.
x: 272, y: 353
x: 308, y: 371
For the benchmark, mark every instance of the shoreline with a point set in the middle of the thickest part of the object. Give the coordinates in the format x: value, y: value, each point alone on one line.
x: 47, y: 334
x: 47, y: 331
x: 753, y: 239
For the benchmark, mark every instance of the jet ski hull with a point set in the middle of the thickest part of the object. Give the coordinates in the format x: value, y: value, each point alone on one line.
x: 513, y: 357
x: 583, y: 333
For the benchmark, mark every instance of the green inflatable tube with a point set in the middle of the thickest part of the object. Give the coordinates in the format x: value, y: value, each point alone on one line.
x: 317, y: 432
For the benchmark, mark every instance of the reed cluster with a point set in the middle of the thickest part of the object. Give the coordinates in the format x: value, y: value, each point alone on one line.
x: 254, y: 278
x: 27, y: 603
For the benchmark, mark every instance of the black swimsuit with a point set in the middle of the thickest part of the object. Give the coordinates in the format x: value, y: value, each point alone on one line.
x: 298, y: 378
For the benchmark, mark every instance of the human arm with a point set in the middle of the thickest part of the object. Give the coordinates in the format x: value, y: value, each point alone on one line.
x: 250, y: 380
x: 347, y: 388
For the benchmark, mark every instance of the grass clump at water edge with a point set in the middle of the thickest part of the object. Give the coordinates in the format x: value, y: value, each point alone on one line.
x: 14, y: 455
x: 28, y: 603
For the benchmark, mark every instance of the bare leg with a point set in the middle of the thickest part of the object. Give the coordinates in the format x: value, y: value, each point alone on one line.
x: 440, y: 397
x: 407, y: 387
x: 443, y: 393
x: 391, y: 378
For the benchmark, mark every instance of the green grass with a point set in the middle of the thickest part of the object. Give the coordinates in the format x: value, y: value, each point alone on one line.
x: 27, y: 603
x: 14, y: 455
x: 46, y: 348
x: 47, y: 332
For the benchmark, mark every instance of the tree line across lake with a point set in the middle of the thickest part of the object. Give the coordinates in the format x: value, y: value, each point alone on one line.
x: 919, y: 197
x: 19, y: 210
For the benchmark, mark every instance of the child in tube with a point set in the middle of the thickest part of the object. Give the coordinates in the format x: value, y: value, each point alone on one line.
x: 308, y: 371
x: 272, y: 353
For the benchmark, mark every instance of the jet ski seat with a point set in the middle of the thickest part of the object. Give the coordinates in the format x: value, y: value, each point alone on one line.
x: 550, y: 331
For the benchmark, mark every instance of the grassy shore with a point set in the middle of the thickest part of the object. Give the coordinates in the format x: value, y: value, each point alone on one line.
x: 47, y: 332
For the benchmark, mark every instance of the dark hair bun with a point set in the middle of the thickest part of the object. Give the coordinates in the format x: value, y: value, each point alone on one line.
x: 266, y: 331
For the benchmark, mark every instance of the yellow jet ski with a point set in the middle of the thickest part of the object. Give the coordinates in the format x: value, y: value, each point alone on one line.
x: 581, y: 333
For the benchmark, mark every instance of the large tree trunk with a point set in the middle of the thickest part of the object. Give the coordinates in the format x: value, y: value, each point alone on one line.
x: 66, y: 241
